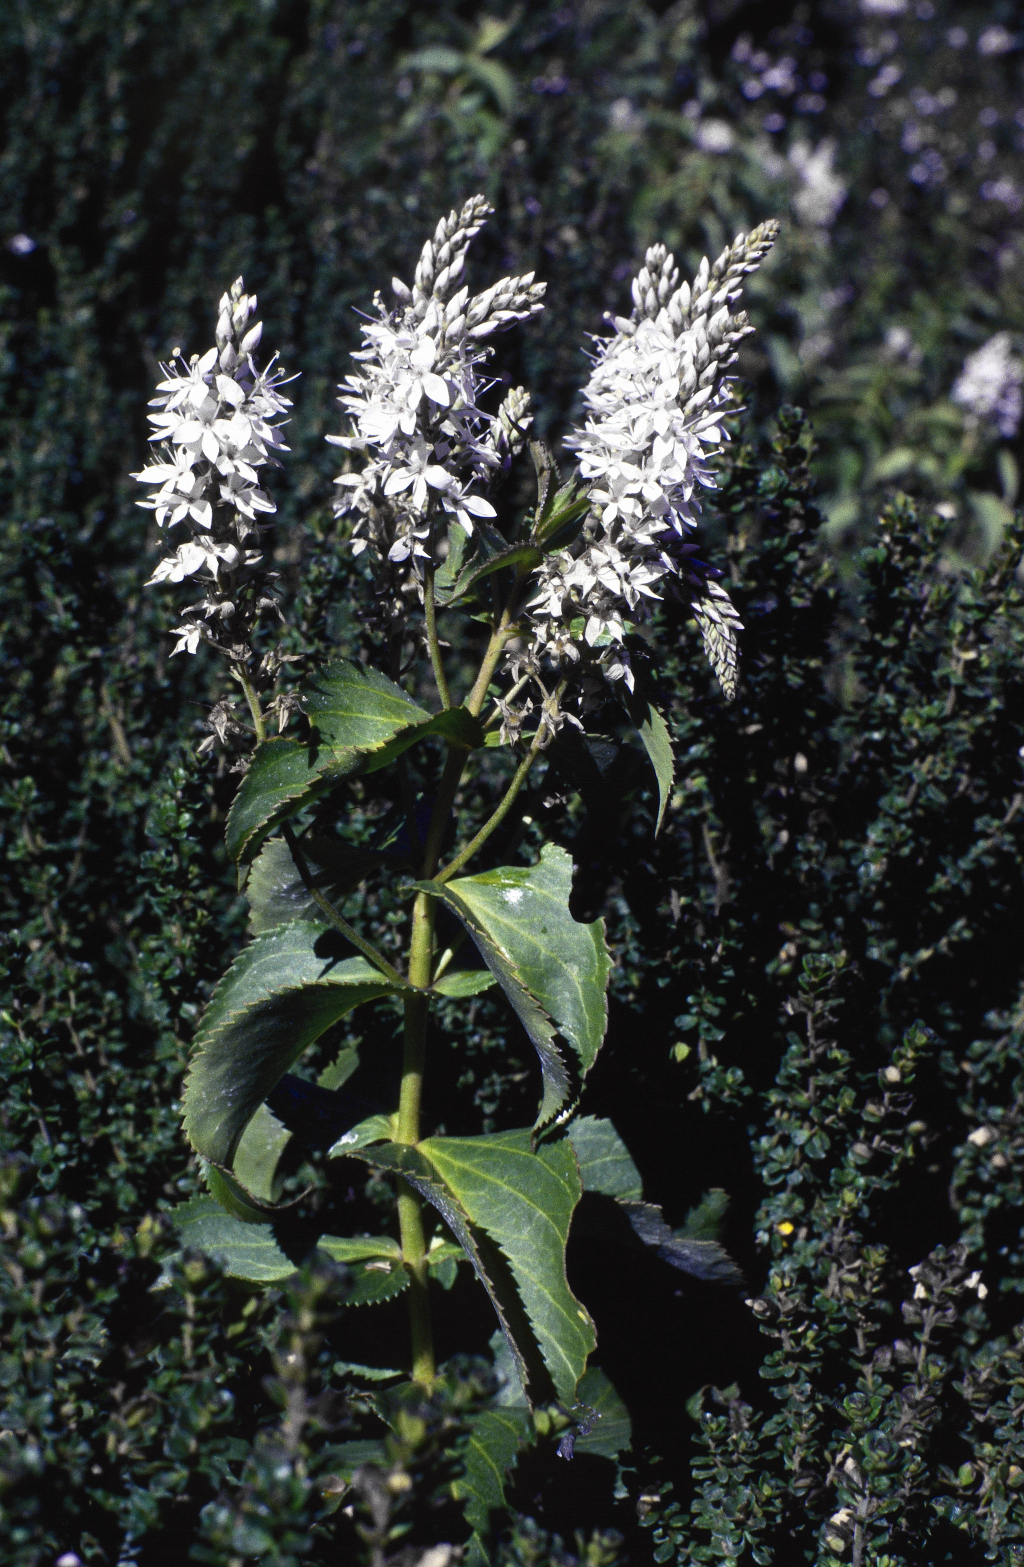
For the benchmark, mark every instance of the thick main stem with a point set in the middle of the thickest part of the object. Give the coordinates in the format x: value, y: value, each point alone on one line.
x: 410, y: 1215
x: 417, y: 1007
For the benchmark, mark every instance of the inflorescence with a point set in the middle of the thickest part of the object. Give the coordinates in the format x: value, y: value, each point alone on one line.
x: 425, y: 459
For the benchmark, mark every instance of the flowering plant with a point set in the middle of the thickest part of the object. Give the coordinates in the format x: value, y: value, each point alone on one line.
x: 562, y: 595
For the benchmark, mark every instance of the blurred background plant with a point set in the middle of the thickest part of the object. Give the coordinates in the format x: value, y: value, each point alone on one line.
x: 836, y: 893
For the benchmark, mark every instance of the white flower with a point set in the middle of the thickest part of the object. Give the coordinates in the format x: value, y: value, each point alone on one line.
x: 715, y: 136
x: 995, y: 40
x: 989, y: 385
x: 655, y: 400
x: 189, y: 637
x: 464, y: 507
x: 821, y: 192
x: 416, y: 422
x: 213, y: 426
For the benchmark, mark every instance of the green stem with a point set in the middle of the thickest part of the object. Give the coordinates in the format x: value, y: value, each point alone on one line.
x: 509, y: 696
x: 259, y: 722
x: 518, y: 779
x: 430, y: 614
x: 410, y: 1216
x: 417, y: 1005
x: 495, y: 647
x: 331, y: 914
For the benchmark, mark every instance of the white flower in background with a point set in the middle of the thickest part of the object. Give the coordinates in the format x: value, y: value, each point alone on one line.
x: 988, y: 387
x: 213, y: 429
x: 414, y: 404
x: 821, y: 192
x: 656, y: 398
x: 715, y: 136
x: 995, y: 40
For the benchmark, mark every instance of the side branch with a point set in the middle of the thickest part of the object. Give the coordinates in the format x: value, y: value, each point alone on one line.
x: 518, y: 779
x: 331, y: 914
x: 436, y: 662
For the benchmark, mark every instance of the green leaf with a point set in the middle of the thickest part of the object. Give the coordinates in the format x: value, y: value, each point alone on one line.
x: 607, y: 1167
x: 443, y: 1260
x: 284, y: 775
x: 341, y: 1068
x: 375, y: 1129
x: 704, y: 1259
x: 234, y: 1198
x: 360, y: 721
x: 437, y: 57
x: 447, y: 573
x: 487, y: 1262
x: 553, y: 970
x: 354, y: 707
x: 704, y: 1222
x: 275, y: 889
x: 352, y: 1368
x: 376, y: 1270
x: 519, y: 556
x: 524, y: 1200
x: 546, y: 469
x: 496, y: 78
x: 464, y: 982
x: 361, y: 1248
x: 496, y: 1438
x: 246, y: 1251
x: 612, y: 1432
x: 657, y: 742
x: 249, y: 1251
x: 605, y: 1162
x: 278, y: 996
x: 258, y: 1155
x: 509, y: 1207
x: 372, y: 1283
x: 561, y: 519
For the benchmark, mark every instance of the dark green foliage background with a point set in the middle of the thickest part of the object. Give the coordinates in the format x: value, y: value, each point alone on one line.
x: 843, y: 850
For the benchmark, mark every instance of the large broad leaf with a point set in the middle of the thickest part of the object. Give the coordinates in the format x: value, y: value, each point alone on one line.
x: 354, y: 707
x: 278, y: 996
x: 611, y: 1432
x: 510, y: 1207
x: 246, y: 1251
x: 605, y: 1162
x: 359, y: 722
x: 277, y: 893
x: 250, y: 1251
x: 553, y: 970
x: 366, y: 1142
x: 283, y: 775
x: 496, y: 1438
x: 258, y: 1155
x: 524, y: 1200
x: 606, y: 1167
